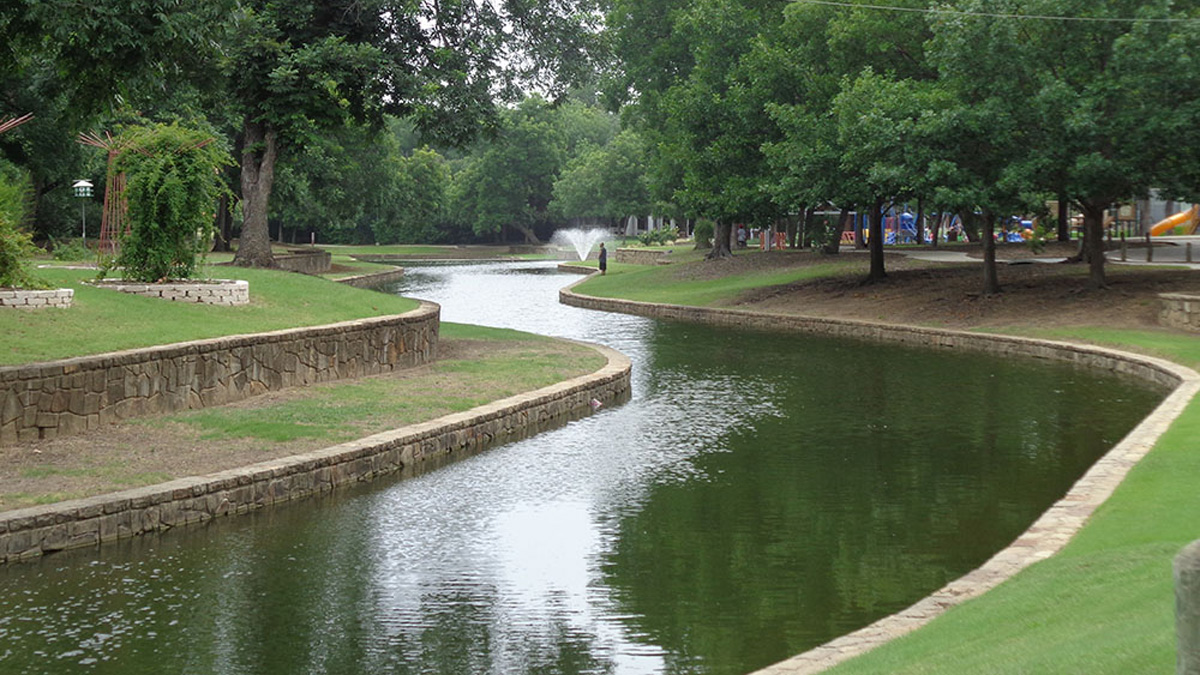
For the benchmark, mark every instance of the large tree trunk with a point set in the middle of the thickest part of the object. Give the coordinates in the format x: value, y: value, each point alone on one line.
x: 991, y: 282
x: 1064, y: 223
x: 530, y: 236
x: 223, y: 224
x: 1093, y: 242
x: 876, y: 243
x: 722, y: 231
x: 834, y: 244
x: 258, y: 177
x: 919, y: 225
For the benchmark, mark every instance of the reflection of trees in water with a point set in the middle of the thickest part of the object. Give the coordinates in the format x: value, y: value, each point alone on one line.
x: 883, y: 474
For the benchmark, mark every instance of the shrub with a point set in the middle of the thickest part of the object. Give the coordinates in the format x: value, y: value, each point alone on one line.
x: 659, y: 237
x: 703, y: 233
x: 173, y: 178
x: 16, y: 247
x: 70, y: 250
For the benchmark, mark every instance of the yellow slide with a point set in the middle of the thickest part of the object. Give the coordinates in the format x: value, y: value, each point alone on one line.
x: 1187, y: 219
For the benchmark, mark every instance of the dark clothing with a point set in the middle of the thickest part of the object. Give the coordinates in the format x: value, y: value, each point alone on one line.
x: 603, y: 259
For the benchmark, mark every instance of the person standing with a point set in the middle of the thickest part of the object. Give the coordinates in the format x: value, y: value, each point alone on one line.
x: 603, y: 259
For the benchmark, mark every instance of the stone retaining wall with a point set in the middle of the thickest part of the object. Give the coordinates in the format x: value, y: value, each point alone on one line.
x: 45, y: 400
x: 224, y: 292
x: 575, y: 269
x: 1180, y: 311
x: 373, y: 279
x: 31, y: 532
x: 640, y: 256
x: 1046, y: 536
x: 23, y: 299
x: 305, y: 261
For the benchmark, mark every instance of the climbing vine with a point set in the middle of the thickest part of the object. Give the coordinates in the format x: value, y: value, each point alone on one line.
x: 173, y: 178
x: 16, y: 246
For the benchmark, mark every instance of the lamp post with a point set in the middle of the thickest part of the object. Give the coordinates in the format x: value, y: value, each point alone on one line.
x: 83, y: 189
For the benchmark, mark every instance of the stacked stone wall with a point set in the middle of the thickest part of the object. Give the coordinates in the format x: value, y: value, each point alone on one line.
x: 31, y: 532
x: 45, y: 400
x: 640, y: 256
x: 23, y: 299
x: 374, y: 279
x: 1180, y: 311
x: 224, y: 292
x: 306, y: 261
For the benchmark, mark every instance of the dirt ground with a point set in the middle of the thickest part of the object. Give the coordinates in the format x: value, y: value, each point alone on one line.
x: 949, y: 294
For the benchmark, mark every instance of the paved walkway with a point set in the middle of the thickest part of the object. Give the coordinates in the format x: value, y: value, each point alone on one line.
x: 1165, y: 251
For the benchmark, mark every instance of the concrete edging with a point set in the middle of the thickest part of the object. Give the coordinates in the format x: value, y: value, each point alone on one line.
x: 32, y: 532
x: 1045, y: 537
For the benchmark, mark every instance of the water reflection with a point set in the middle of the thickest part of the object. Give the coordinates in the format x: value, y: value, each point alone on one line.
x: 761, y: 493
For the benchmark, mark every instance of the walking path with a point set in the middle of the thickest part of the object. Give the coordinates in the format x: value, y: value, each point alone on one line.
x: 1166, y: 251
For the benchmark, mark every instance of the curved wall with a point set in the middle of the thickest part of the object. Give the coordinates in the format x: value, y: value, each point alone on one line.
x: 31, y: 532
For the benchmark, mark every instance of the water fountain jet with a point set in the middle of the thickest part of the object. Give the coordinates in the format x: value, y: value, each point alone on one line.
x: 580, y: 239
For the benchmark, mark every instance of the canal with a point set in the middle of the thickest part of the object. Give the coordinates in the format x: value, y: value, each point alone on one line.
x: 761, y: 493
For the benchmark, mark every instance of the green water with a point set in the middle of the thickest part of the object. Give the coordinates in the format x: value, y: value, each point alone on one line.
x: 759, y: 495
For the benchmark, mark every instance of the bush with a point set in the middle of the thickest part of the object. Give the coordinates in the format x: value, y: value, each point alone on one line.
x: 703, y: 233
x: 71, y: 250
x: 16, y: 247
x: 173, y: 176
x: 659, y: 237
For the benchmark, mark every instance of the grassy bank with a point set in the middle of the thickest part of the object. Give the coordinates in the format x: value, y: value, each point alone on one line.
x: 1102, y: 605
x: 103, y: 320
x: 477, y: 366
x: 675, y: 284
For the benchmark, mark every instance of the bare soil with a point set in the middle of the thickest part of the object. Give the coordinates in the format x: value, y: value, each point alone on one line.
x: 1035, y: 294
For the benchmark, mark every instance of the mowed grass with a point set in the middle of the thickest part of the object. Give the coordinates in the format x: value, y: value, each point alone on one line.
x: 663, y: 283
x: 1105, y: 604
x: 502, y: 363
x: 104, y: 320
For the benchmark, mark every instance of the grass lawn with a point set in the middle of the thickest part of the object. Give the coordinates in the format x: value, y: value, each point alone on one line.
x: 666, y: 284
x: 1105, y: 604
x: 103, y: 320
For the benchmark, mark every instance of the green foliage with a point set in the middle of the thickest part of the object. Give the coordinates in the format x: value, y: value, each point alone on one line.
x: 703, y: 233
x: 16, y: 246
x: 658, y: 237
x: 418, y: 200
x: 605, y: 182
x: 173, y: 183
x: 70, y: 250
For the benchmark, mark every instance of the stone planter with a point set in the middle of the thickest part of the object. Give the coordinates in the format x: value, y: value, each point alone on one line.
x: 210, y: 292
x: 22, y: 299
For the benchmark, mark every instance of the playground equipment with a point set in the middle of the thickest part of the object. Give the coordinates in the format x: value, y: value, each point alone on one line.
x: 1184, y: 222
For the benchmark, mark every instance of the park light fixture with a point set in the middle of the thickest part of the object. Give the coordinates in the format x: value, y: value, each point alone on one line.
x: 83, y: 189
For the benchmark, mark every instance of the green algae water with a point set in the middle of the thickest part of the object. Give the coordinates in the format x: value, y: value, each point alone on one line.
x: 760, y: 494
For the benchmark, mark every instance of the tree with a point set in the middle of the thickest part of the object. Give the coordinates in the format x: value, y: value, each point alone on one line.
x: 298, y: 68
x: 605, y: 182
x: 510, y: 183
x: 419, y: 201
x: 1094, y: 82
x: 878, y: 121
x: 173, y: 177
x: 77, y: 65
